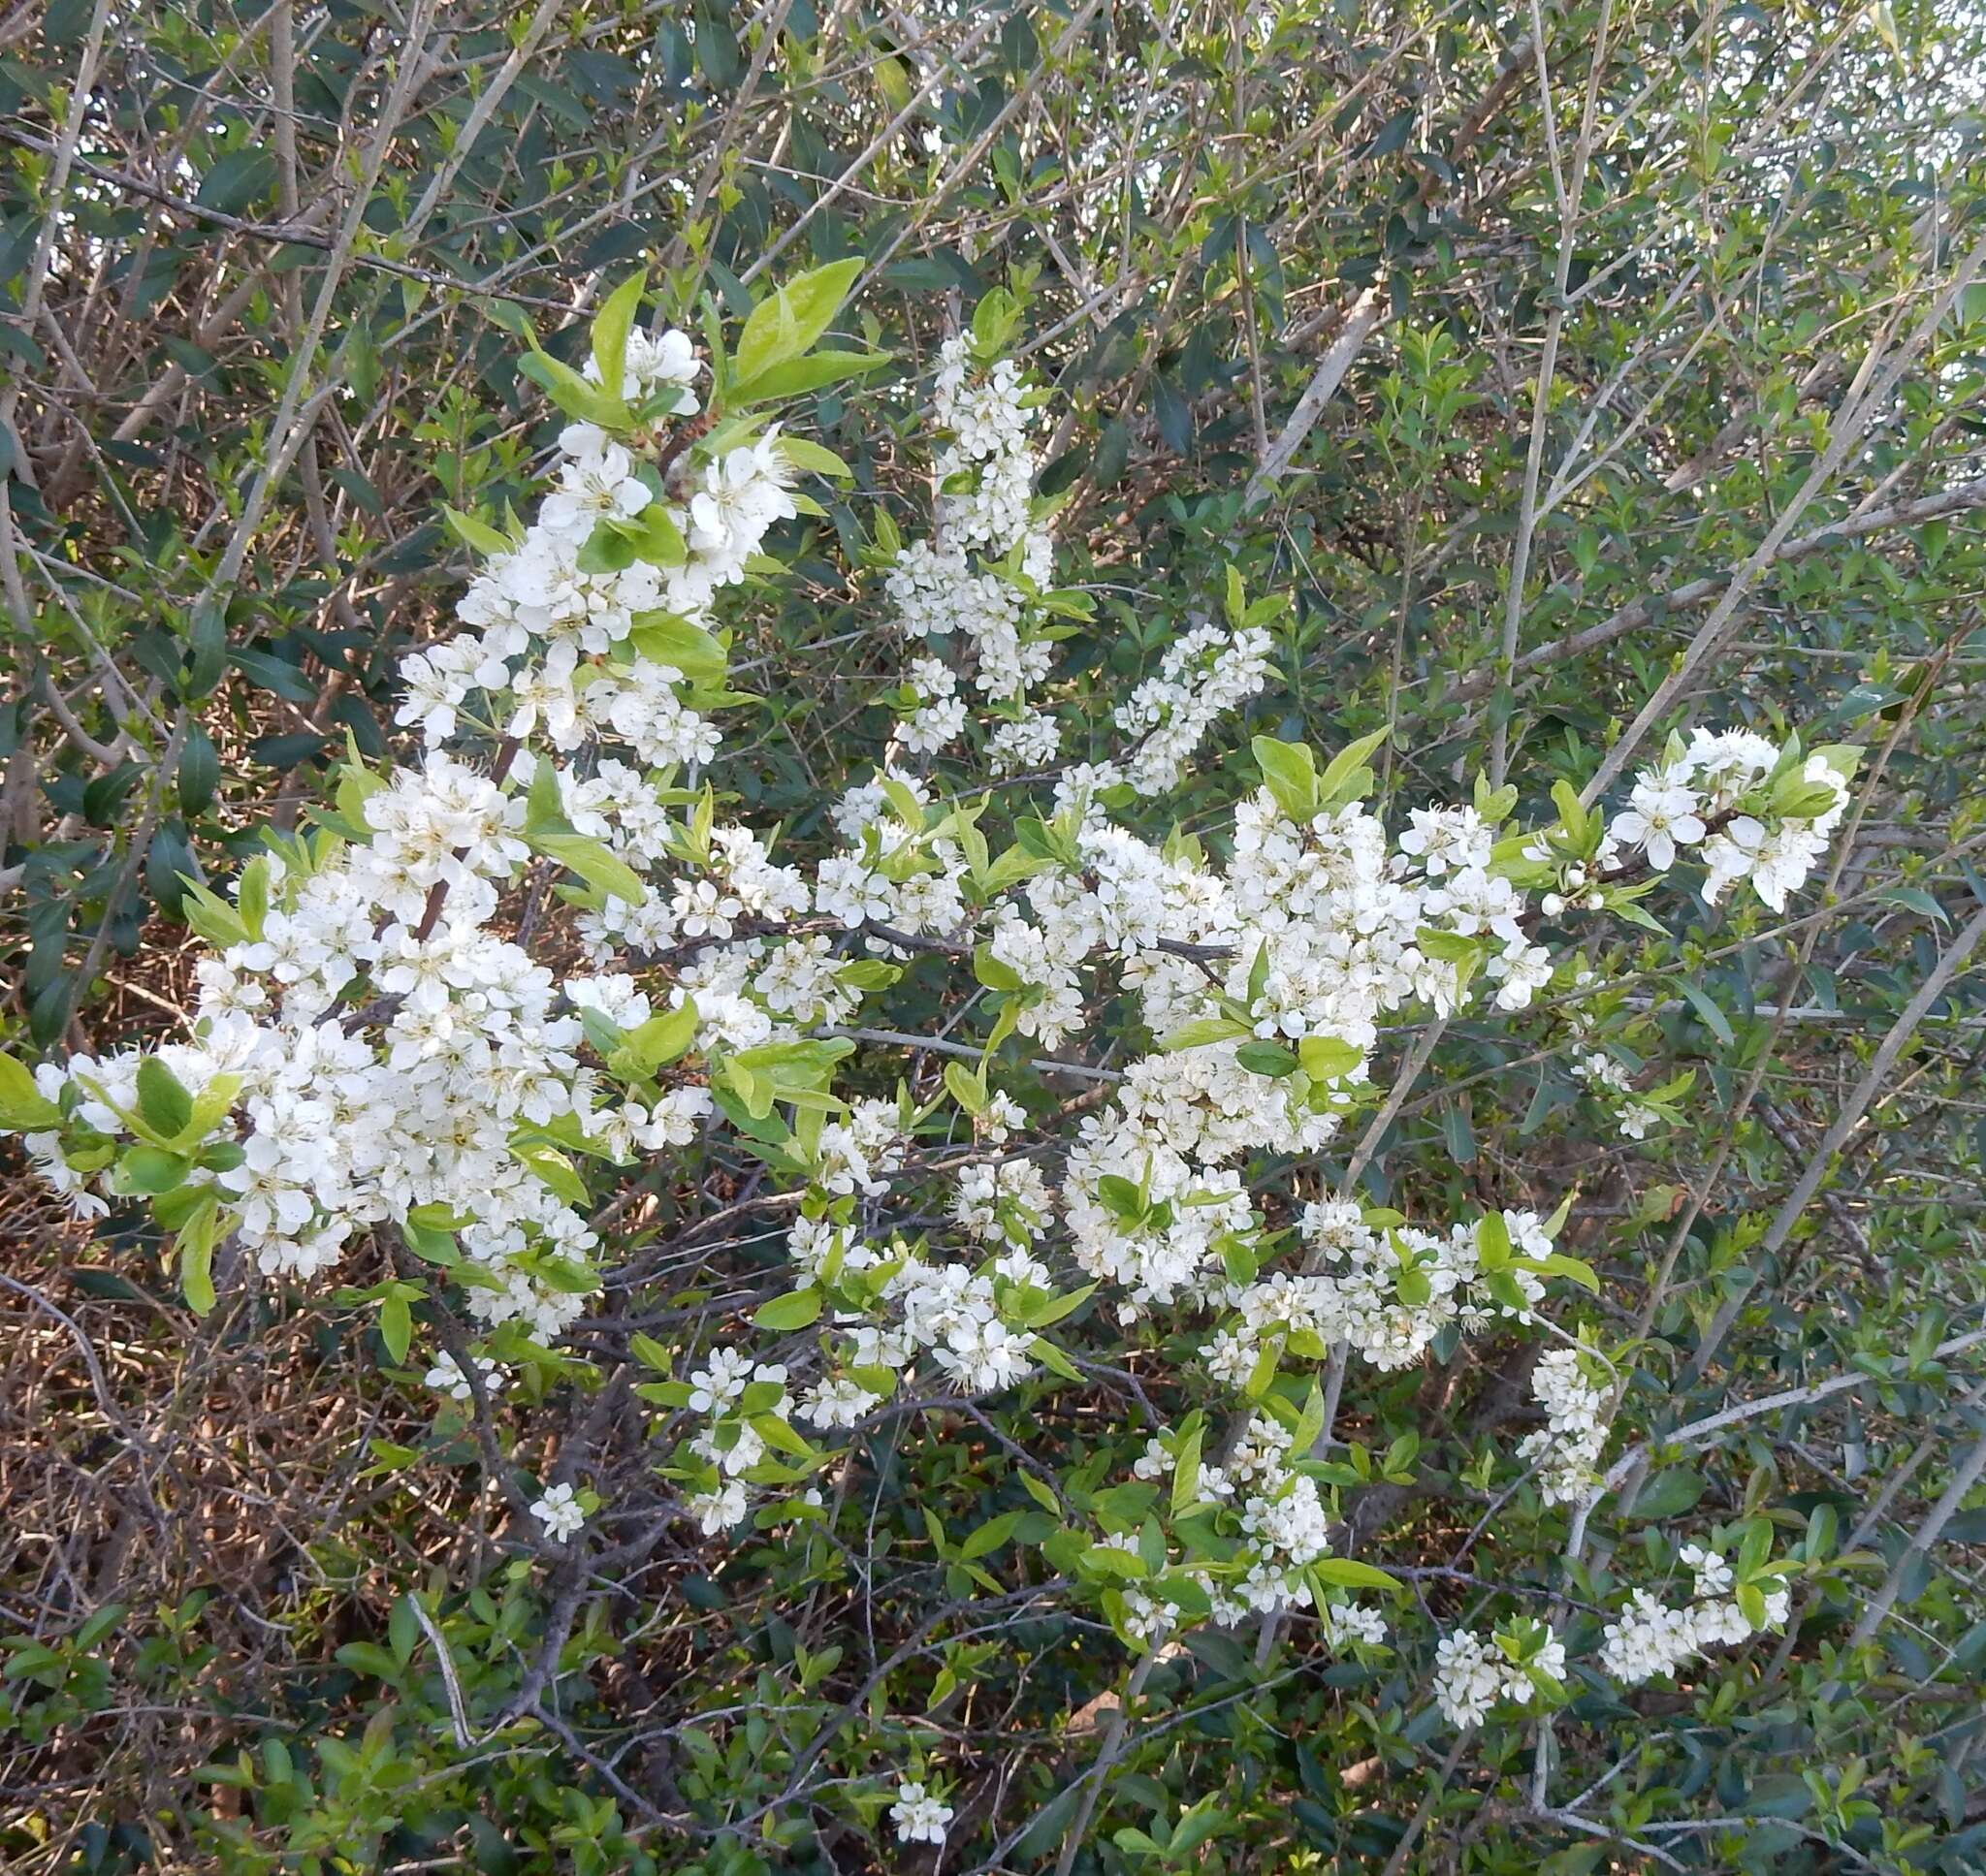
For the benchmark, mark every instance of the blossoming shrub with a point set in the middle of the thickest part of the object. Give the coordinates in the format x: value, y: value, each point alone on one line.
x: 680, y: 1158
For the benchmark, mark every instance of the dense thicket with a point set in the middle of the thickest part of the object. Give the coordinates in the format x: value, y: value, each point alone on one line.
x: 1574, y: 377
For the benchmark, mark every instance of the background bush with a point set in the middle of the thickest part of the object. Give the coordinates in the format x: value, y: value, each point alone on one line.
x: 1514, y: 346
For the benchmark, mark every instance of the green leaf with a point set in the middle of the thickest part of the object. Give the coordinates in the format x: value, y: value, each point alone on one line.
x: 659, y: 541
x: 162, y: 1100
x: 1494, y: 805
x: 1329, y: 1057
x: 1202, y: 1032
x: 1194, y: 1828
x: 396, y: 1328
x: 608, y: 548
x: 790, y: 320
x: 200, y: 772
x: 662, y: 638
x: 1803, y: 801
x: 238, y: 180
x: 100, y: 1625
x: 1186, y: 1472
x: 1052, y: 1357
x: 1120, y: 1195
x: 1347, y: 1572
x: 1669, y: 1494
x: 966, y: 1088
x: 771, y: 336
x: 1754, y: 1547
x: 210, y: 916
x: 1578, y: 823
x: 1043, y: 1494
x: 992, y: 972
x: 565, y: 1275
x: 589, y: 858
x: 1056, y: 1308
x: 151, y: 1169
x: 251, y: 895
x: 813, y: 459
x: 1289, y: 772
x: 794, y: 1311
x: 195, y: 1245
x: 989, y: 1536
x: 472, y: 532
x: 554, y: 1170
x: 797, y: 376
x: 611, y: 326
x: 663, y: 1037
x: 1271, y: 1059
x: 543, y: 807
x: 781, y: 1436
x: 650, y: 1353
x: 994, y: 320
x: 431, y: 1245
x: 1346, y: 778
x: 1915, y: 899
x: 367, y: 1658
x: 1558, y: 1264
x: 571, y: 392
x: 23, y: 1108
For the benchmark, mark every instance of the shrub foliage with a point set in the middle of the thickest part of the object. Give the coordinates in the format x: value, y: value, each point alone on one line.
x: 994, y: 940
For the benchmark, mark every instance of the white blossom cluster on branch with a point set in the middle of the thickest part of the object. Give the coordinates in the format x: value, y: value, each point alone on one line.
x: 379, y: 1056
x: 1729, y: 1604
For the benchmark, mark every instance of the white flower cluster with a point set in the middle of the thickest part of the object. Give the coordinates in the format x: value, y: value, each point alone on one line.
x: 561, y: 640
x: 988, y: 415
x: 1698, y: 797
x: 406, y: 1112
x: 736, y: 1393
x: 1473, y: 1674
x: 919, y: 1817
x: 1566, y: 1449
x: 447, y: 1377
x: 1202, y: 677
x: 1384, y: 1289
x: 968, y: 1321
x: 975, y: 582
x: 340, y: 1130
x: 939, y: 594
x: 1274, y: 1508
x: 978, y: 581
x: 1610, y: 1081
x: 910, y: 878
x: 957, y: 1313
x: 1655, y: 1638
x: 1322, y: 928
x: 940, y: 718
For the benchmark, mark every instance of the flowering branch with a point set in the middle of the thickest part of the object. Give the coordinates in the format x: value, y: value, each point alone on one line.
x: 375, y: 1068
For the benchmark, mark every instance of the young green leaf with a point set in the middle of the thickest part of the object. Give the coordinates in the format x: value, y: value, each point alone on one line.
x: 794, y: 1311
x: 23, y: 1108
x: 1289, y: 772
x: 786, y: 324
x: 611, y: 328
